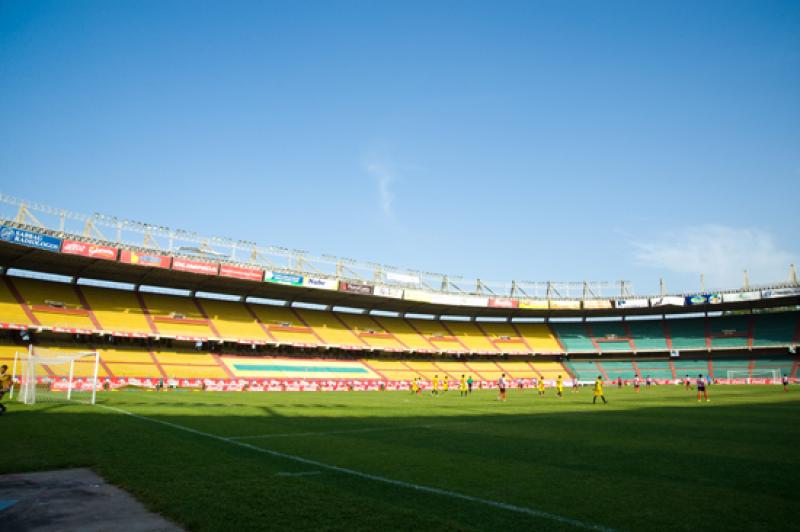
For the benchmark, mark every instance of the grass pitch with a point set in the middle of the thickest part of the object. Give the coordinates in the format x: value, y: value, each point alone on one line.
x: 389, y: 460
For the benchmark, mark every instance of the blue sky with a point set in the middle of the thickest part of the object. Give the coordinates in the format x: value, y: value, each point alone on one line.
x: 502, y: 140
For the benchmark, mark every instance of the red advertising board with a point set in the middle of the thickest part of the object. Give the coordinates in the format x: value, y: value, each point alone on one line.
x: 144, y: 259
x: 205, y: 268
x: 248, y: 274
x: 503, y: 302
x: 356, y: 288
x: 95, y: 251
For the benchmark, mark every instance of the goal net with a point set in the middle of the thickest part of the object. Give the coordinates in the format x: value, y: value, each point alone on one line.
x: 756, y: 375
x: 48, y: 375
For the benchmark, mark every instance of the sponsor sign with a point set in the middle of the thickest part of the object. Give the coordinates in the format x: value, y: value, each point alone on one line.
x: 321, y: 283
x: 703, y: 299
x: 29, y: 239
x: 666, y: 301
x: 283, y: 278
x: 417, y: 295
x: 457, y: 300
x: 503, y: 302
x: 596, y: 303
x: 144, y: 259
x: 741, y: 296
x: 402, y: 277
x: 355, y: 288
x: 780, y: 292
x: 388, y: 291
x: 204, y: 268
x: 631, y: 303
x: 564, y: 304
x: 95, y: 251
x: 534, y: 303
x: 237, y: 272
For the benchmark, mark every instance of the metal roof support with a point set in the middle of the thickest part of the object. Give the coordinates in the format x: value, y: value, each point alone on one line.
x: 793, y: 274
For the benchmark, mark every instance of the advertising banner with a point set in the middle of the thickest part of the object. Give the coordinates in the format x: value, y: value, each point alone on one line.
x: 541, y: 304
x: 144, y: 259
x: 95, y: 251
x: 564, y: 304
x: 204, y: 268
x: 29, y: 239
x: 457, y: 300
x: 402, y: 277
x: 237, y: 272
x: 321, y: 283
x: 667, y: 301
x: 703, y: 299
x: 780, y: 292
x: 388, y: 291
x: 631, y: 303
x: 355, y: 288
x: 741, y: 296
x: 503, y: 302
x: 596, y: 303
x: 417, y: 295
x: 283, y: 278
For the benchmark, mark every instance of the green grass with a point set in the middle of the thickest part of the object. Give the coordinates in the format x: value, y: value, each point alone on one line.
x: 655, y: 460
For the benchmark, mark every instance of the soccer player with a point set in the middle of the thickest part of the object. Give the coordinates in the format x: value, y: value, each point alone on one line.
x: 576, y: 385
x: 598, y: 390
x: 462, y: 386
x: 648, y: 381
x: 5, y: 385
x: 469, y: 384
x: 785, y: 383
x: 501, y: 384
x: 541, y: 387
x: 414, y: 387
x: 445, y: 384
x: 636, y: 383
x: 619, y: 383
x: 560, y: 386
x: 435, y: 389
x: 701, y: 388
x: 687, y: 381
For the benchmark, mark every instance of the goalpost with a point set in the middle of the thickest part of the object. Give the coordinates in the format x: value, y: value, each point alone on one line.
x: 47, y: 375
x: 760, y: 374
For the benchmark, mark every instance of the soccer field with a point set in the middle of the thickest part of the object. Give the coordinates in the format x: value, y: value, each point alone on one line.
x: 390, y: 460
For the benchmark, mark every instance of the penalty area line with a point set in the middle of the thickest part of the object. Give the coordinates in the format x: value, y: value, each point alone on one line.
x: 368, y: 476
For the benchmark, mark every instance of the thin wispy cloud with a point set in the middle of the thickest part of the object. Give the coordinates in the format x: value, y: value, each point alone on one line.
x: 384, y: 179
x: 719, y: 252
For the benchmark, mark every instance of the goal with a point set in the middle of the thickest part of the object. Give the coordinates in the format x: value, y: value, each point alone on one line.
x: 48, y: 375
x: 755, y: 375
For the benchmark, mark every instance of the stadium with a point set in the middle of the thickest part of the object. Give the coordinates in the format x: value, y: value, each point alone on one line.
x: 135, y: 322
x: 376, y: 266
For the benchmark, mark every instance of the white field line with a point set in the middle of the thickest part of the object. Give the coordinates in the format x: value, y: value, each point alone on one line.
x: 330, y: 432
x: 376, y: 478
x: 297, y: 473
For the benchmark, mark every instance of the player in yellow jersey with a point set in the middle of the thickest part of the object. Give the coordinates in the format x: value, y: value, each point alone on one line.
x: 598, y: 390
x: 414, y: 387
x: 5, y: 385
x: 445, y: 384
x: 560, y: 386
x: 435, y: 389
x: 462, y: 386
x: 541, y: 387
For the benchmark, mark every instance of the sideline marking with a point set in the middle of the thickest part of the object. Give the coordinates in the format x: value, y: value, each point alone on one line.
x: 297, y: 473
x: 327, y: 433
x: 353, y: 472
